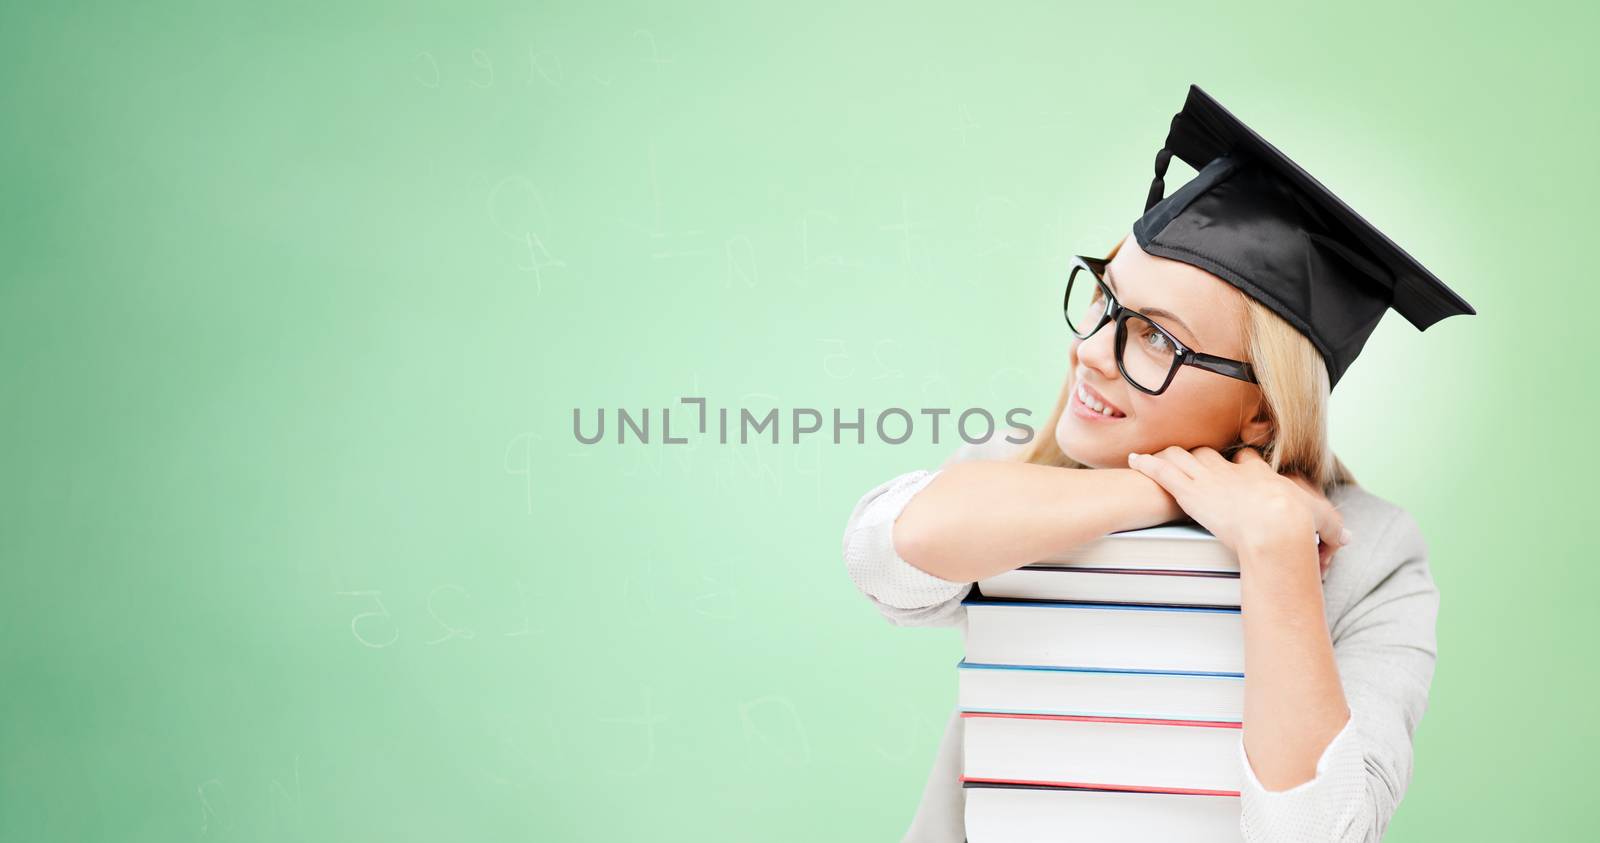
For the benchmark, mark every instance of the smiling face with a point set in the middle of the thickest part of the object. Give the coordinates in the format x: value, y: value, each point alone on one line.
x: 1199, y: 407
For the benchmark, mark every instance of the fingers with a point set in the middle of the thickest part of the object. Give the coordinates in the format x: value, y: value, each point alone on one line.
x: 1328, y: 518
x: 1330, y: 526
x: 1181, y: 458
x: 1248, y: 454
x: 1159, y: 469
x: 1209, y: 456
x: 1331, y: 533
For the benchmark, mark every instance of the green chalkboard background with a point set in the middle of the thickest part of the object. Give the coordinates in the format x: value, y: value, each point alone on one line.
x: 298, y: 299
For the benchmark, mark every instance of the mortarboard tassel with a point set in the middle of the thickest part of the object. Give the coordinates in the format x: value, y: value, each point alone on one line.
x: 1157, y: 188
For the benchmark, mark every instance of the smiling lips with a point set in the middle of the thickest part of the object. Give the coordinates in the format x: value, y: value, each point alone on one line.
x: 1095, y: 402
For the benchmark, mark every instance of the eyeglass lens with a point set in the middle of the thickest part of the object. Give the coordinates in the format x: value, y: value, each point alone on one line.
x: 1145, y: 353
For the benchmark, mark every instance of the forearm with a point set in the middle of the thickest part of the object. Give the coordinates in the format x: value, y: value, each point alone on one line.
x: 978, y: 519
x: 1294, y: 703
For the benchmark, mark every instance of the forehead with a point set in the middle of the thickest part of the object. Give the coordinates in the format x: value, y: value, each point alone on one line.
x: 1209, y: 306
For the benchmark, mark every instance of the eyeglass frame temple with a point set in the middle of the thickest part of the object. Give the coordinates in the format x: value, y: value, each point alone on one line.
x: 1186, y: 356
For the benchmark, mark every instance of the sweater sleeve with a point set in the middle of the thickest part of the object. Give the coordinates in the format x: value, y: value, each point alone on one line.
x: 1385, y: 647
x: 903, y: 594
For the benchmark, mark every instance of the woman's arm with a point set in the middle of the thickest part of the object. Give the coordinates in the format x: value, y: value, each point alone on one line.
x: 903, y: 594
x: 907, y: 595
x: 978, y: 519
x: 1384, y: 647
x: 1293, y: 702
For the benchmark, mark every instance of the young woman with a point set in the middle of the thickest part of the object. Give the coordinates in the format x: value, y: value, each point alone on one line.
x: 1339, y: 636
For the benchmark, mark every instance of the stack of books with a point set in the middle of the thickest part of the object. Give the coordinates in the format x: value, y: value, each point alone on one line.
x: 1102, y: 693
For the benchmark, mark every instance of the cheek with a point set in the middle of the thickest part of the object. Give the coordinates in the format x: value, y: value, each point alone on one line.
x: 1182, y: 415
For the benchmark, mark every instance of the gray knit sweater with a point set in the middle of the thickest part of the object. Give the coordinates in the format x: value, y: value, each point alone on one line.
x: 1381, y: 605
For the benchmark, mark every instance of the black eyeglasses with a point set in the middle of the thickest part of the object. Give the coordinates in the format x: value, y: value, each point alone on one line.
x: 1157, y: 354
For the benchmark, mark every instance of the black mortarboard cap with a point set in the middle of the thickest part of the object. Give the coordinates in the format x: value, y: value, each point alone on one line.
x: 1257, y: 220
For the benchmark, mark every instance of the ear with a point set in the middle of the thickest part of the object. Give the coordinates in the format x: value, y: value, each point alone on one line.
x: 1258, y: 428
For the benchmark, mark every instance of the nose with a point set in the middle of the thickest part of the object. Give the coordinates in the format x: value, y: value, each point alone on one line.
x: 1099, y: 351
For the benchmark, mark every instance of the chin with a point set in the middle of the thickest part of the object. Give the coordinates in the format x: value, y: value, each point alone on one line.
x: 1075, y: 450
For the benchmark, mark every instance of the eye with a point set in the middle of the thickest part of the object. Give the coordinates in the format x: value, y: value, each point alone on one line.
x: 1154, y: 339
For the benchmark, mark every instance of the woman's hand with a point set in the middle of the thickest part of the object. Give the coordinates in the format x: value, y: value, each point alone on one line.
x: 1319, y: 502
x: 1244, y: 503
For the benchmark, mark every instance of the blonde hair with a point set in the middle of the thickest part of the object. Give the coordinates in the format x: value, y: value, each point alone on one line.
x: 1294, y: 384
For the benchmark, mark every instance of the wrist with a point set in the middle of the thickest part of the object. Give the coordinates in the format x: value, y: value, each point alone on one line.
x: 1144, y: 502
x: 1280, y: 554
x: 1275, y: 531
